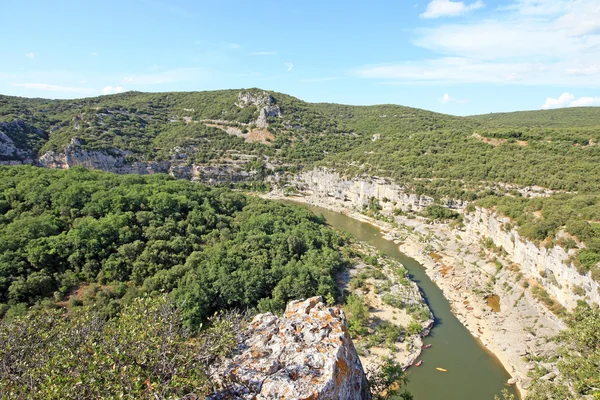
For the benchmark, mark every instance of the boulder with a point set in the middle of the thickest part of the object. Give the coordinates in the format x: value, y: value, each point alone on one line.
x: 305, y: 354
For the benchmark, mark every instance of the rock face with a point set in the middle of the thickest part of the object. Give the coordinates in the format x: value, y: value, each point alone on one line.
x: 550, y: 266
x: 10, y: 153
x: 112, y: 161
x: 357, y: 192
x: 115, y: 161
x: 7, y: 146
x: 306, y: 354
x: 263, y: 102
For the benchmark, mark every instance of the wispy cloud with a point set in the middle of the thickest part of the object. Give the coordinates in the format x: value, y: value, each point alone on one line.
x: 539, y: 42
x: 447, y: 8
x: 569, y: 100
x: 55, y: 88
x: 94, y: 54
x: 30, y: 55
x: 263, y: 53
x: 289, y: 66
x: 112, y: 90
x: 233, y: 46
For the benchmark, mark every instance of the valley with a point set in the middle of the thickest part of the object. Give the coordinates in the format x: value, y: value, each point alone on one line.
x: 501, y: 210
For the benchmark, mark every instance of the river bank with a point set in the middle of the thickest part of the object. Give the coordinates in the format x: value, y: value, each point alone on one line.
x: 516, y: 333
x: 394, y: 304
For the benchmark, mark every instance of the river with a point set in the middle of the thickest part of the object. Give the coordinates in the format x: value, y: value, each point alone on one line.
x: 474, y: 373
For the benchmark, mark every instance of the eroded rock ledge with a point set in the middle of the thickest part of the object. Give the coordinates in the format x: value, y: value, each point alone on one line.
x: 306, y: 354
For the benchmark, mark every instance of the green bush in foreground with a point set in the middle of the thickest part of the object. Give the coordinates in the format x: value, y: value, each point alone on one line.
x: 144, y: 353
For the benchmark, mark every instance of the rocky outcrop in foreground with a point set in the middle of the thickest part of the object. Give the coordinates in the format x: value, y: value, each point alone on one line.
x: 306, y: 354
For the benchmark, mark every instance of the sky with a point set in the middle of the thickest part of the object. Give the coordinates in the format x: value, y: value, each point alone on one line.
x: 456, y: 57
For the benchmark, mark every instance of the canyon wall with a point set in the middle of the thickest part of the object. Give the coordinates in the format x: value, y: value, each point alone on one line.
x: 359, y: 191
x: 549, y: 266
x: 115, y: 161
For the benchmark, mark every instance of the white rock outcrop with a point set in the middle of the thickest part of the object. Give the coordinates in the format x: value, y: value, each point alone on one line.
x: 358, y: 191
x: 550, y: 266
x: 10, y: 153
x: 306, y: 354
x: 263, y: 102
x: 7, y: 146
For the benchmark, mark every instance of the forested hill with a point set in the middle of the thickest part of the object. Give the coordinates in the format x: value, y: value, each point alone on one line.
x: 150, y: 125
x: 485, y: 158
x: 213, y: 248
x: 429, y: 152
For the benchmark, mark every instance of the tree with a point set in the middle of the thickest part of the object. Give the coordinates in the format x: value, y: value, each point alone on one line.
x: 386, y: 379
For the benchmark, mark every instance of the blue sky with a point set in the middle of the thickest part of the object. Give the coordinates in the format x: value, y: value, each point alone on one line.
x: 457, y: 57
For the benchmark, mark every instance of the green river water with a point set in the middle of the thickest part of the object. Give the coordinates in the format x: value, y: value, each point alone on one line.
x: 474, y: 373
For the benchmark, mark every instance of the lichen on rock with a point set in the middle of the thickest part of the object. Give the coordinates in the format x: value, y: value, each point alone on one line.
x: 305, y: 354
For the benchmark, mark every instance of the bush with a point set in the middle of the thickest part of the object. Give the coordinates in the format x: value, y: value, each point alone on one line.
x: 358, y: 315
x: 414, y: 328
x: 437, y: 212
x: 144, y: 353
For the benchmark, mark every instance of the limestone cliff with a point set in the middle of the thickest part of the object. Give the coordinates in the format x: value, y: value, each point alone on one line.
x: 358, y: 191
x: 549, y: 266
x: 305, y: 354
x: 10, y: 152
x: 114, y: 160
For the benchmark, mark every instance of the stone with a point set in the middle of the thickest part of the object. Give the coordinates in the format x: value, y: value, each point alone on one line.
x: 305, y: 354
x: 263, y: 102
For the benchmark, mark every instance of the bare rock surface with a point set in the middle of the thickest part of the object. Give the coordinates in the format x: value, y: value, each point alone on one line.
x: 305, y: 354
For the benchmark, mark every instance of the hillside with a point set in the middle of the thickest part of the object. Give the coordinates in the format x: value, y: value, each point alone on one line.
x: 232, y: 135
x: 432, y: 153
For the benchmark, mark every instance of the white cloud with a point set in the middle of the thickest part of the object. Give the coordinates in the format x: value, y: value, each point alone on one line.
x: 583, y: 19
x: 498, y: 39
x: 112, y: 90
x: 289, y: 66
x: 30, y: 55
x: 446, y: 98
x: 264, y: 53
x: 233, y: 46
x: 568, y: 100
x: 55, y: 88
x: 585, y: 102
x: 562, y: 101
x: 94, y: 54
x: 467, y: 70
x: 589, y: 70
x: 530, y: 42
x: 447, y: 8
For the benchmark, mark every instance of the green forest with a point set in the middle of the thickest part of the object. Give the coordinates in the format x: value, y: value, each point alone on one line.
x: 483, y: 158
x: 102, y: 276
x: 214, y: 249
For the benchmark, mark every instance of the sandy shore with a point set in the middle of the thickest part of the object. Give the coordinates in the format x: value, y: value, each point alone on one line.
x: 465, y: 273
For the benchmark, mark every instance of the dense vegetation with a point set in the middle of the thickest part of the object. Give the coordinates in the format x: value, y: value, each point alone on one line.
x: 481, y: 157
x: 96, y: 243
x: 213, y: 248
x: 143, y: 353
